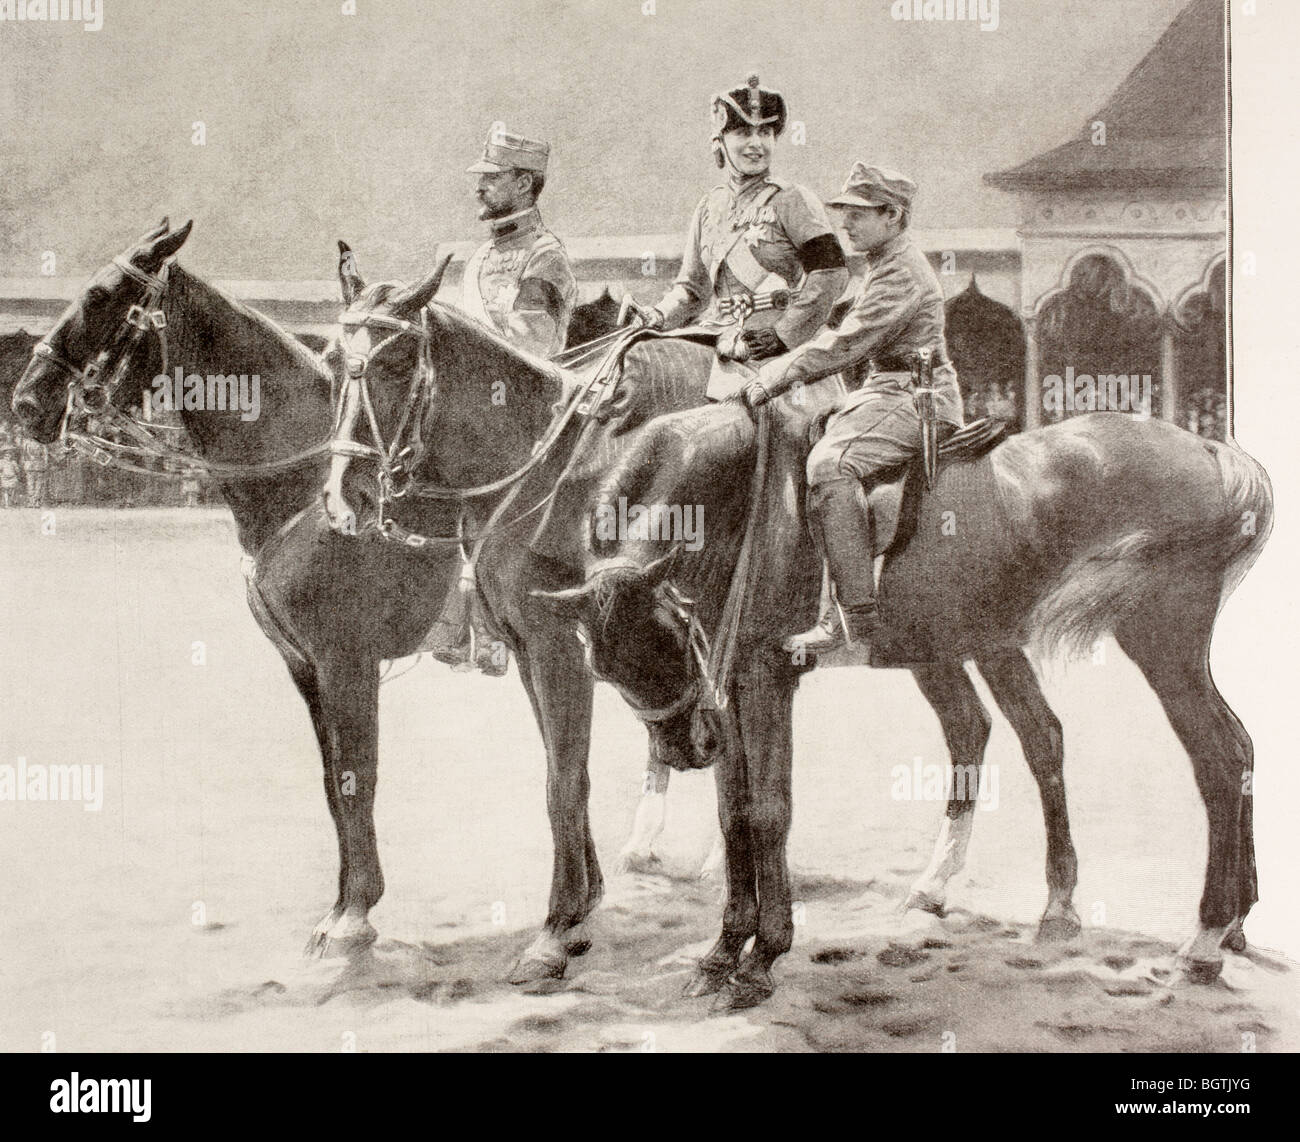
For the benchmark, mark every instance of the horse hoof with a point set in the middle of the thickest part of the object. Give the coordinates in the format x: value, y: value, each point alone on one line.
x: 340, y: 939
x: 1200, y: 971
x: 742, y: 992
x: 1235, y: 940
x: 533, y: 969
x: 1057, y: 929
x: 923, y: 902
x: 629, y: 862
x: 706, y: 981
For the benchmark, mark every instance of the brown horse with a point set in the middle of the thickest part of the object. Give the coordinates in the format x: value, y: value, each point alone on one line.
x: 1101, y: 524
x: 335, y: 608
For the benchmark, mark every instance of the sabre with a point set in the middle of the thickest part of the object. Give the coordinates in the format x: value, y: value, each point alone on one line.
x: 923, y: 397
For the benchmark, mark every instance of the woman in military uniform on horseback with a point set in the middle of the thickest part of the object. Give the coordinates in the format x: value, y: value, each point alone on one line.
x: 762, y: 266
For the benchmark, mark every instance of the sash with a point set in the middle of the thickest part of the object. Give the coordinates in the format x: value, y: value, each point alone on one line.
x: 738, y: 257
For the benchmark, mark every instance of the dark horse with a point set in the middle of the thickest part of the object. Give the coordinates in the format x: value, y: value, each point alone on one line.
x: 335, y: 608
x: 1101, y: 524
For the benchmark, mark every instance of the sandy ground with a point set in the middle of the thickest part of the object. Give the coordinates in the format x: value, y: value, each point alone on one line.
x: 173, y: 918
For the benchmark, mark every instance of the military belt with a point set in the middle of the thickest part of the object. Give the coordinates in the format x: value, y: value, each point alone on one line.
x: 904, y: 364
x: 741, y: 305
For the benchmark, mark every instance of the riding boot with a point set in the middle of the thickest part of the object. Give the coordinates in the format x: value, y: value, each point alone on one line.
x: 825, y: 634
x: 840, y: 522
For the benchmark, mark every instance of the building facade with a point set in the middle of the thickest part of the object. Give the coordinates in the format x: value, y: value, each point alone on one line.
x: 1125, y: 240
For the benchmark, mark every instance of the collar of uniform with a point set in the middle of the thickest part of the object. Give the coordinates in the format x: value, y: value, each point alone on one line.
x: 746, y: 185
x: 885, y: 249
x: 520, y: 222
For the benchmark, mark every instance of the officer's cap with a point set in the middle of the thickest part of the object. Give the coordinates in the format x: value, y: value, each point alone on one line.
x: 503, y: 152
x: 874, y: 186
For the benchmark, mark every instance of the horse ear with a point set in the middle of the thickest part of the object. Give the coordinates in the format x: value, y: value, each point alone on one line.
x: 416, y: 297
x: 154, y: 234
x: 152, y: 255
x: 350, y: 280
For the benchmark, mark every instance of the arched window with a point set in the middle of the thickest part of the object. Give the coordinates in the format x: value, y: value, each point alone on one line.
x: 1099, y: 342
x: 1201, y: 352
x: 987, y: 344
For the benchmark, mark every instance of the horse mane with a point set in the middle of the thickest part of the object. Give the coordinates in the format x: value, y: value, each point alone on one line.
x: 479, y: 350
x: 248, y: 325
x: 493, y: 349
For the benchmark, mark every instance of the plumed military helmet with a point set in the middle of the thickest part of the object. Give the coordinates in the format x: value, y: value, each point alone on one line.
x: 748, y: 106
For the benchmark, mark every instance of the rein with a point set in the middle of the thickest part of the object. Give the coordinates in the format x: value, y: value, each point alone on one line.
x: 397, y: 461
x: 90, y: 395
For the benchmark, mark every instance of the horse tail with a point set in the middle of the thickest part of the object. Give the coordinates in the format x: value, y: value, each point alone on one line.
x: 1103, y: 586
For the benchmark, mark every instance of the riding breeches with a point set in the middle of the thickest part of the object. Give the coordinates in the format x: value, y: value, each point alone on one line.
x: 877, y: 428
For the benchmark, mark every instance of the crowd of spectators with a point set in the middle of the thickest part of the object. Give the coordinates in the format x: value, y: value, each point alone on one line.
x: 36, y: 475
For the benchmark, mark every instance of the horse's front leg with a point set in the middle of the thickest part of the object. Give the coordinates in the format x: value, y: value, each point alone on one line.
x: 346, y: 716
x: 560, y: 688
x: 764, y: 700
x: 740, y: 916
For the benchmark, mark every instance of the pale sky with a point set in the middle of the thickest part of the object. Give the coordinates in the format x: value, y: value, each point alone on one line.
x: 321, y: 125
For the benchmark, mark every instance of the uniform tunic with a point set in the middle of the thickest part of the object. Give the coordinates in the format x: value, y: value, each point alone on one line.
x: 897, y: 311
x: 770, y: 223
x: 520, y: 283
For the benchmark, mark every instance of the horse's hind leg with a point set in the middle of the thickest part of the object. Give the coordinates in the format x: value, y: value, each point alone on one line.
x: 1170, y: 645
x: 966, y: 724
x: 638, y: 855
x: 1015, y: 688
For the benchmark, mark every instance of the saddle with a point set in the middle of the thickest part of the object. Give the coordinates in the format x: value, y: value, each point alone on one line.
x: 893, y: 510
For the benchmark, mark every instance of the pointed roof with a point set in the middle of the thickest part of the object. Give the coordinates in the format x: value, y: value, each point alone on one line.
x: 1165, y: 125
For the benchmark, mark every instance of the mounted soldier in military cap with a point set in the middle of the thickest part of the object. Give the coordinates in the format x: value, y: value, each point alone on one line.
x: 896, y: 320
x: 762, y: 267
x: 519, y: 284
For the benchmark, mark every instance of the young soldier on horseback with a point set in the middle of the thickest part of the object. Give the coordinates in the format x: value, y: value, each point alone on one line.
x: 762, y: 267
x: 519, y: 284
x: 897, y: 313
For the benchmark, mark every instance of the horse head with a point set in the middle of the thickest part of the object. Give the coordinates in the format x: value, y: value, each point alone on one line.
x: 425, y: 380
x: 92, y: 357
x: 639, y: 634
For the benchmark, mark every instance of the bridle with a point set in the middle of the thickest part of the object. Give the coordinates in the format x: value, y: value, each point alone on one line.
x: 399, y: 459
x: 88, y: 391
x: 90, y: 394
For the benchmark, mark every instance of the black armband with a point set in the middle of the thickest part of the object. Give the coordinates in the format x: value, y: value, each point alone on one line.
x: 821, y: 253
